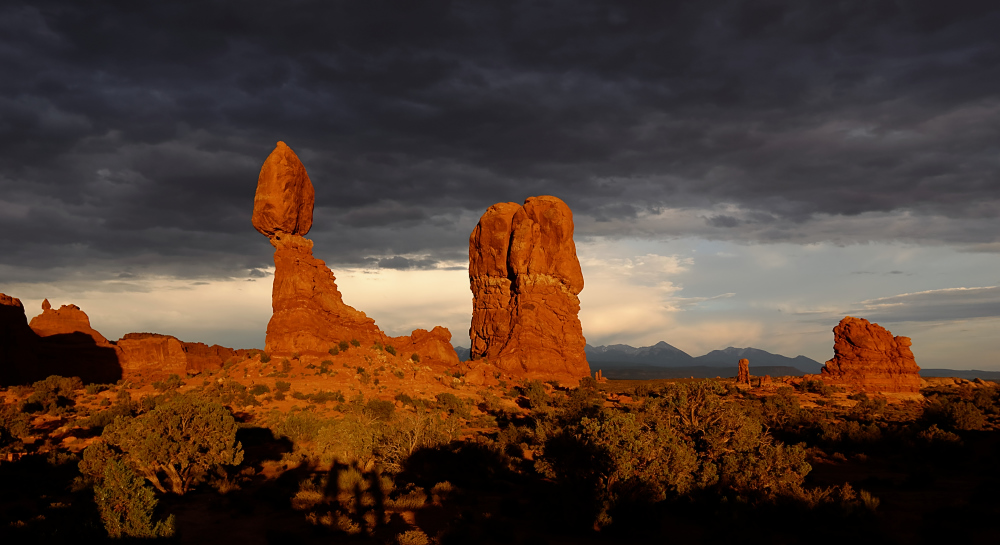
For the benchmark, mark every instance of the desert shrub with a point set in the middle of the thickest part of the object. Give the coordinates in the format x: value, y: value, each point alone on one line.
x: 126, y: 504
x: 324, y: 396
x: 452, y: 404
x: 265, y: 357
x: 935, y: 435
x: 817, y: 387
x: 295, y: 355
x: 588, y: 382
x: 282, y: 386
x: 286, y: 365
x: 94, y: 389
x: 380, y: 410
x: 334, y: 351
x: 172, y: 382
x: 179, y: 440
x: 259, y: 389
x: 300, y: 427
x: 867, y: 409
x: 355, y: 343
x: 535, y: 393
x: 378, y: 346
x: 415, y: 357
x: 343, y: 345
x: 364, y: 376
x: 14, y: 427
x: 54, y: 395
x: 690, y: 437
x: 390, y: 350
x: 955, y: 413
x: 230, y: 393
x: 122, y: 407
x: 412, y: 537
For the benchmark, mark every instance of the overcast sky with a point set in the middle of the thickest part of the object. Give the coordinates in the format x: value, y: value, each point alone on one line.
x: 741, y: 173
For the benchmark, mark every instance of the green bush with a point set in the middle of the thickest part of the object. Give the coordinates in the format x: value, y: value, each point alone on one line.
x: 173, y: 382
x: 94, y: 389
x: 415, y: 357
x: 259, y: 389
x: 126, y: 504
x: 54, y: 395
x: 355, y: 343
x: 334, y: 351
x: 282, y: 386
x: 343, y: 345
x: 179, y: 441
x: 265, y: 357
x: 390, y: 350
x: 14, y: 427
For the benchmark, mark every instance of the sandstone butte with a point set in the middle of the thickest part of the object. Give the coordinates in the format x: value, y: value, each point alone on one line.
x: 62, y: 342
x: 867, y: 357
x: 309, y: 314
x: 525, y: 279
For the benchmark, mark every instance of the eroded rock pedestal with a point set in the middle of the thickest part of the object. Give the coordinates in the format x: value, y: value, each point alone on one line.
x: 525, y: 280
x: 867, y: 357
x: 309, y: 313
x: 743, y: 375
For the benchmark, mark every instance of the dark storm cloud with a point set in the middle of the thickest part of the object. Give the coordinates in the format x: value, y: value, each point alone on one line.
x: 132, y: 134
x: 936, y: 305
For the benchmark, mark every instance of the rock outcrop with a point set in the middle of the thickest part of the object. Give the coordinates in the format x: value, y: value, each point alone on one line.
x: 69, y: 346
x: 17, y: 342
x: 156, y: 356
x: 525, y: 280
x: 867, y: 357
x: 743, y: 375
x: 309, y: 313
x: 151, y: 355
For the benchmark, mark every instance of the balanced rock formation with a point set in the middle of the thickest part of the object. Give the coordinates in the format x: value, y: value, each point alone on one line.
x: 867, y: 357
x: 310, y: 315
x: 17, y: 342
x: 285, y: 196
x: 525, y: 280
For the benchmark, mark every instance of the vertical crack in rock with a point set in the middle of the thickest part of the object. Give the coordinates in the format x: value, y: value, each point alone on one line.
x: 525, y: 279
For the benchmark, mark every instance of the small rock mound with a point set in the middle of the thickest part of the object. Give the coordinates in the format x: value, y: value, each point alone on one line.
x: 867, y: 357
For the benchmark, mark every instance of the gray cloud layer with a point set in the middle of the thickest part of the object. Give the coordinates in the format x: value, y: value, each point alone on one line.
x: 132, y: 134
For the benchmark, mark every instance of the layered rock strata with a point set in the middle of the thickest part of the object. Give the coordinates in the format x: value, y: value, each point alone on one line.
x: 867, y: 357
x: 309, y: 313
x: 525, y: 280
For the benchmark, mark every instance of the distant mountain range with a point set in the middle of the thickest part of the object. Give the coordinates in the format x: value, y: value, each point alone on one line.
x: 663, y: 355
x: 621, y: 361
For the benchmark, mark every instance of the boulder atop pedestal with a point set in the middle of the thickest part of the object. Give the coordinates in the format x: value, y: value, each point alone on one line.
x: 285, y: 196
x: 309, y: 314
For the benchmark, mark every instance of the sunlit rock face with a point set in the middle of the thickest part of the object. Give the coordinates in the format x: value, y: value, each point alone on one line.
x: 285, y: 196
x: 867, y: 357
x: 526, y: 280
x: 309, y: 313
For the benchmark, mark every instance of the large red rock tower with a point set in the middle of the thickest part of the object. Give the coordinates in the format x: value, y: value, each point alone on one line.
x: 525, y: 280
